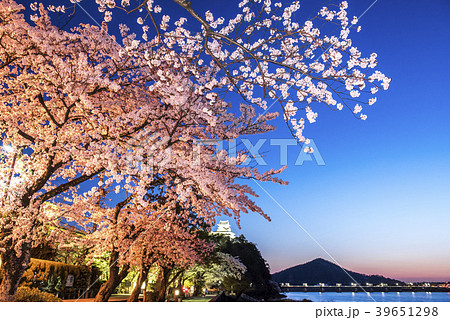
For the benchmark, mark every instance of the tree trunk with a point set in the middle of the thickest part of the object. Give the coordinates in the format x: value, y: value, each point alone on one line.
x: 161, y: 283
x: 179, y: 287
x: 198, y: 283
x: 115, y: 278
x: 143, y: 273
x: 13, y: 269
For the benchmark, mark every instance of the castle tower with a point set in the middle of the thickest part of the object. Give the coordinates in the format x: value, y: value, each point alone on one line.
x: 223, y: 227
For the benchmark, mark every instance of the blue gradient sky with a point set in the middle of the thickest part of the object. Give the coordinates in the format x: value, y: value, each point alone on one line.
x: 381, y: 204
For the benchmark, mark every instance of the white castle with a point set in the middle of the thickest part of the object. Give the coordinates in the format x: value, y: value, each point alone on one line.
x: 223, y: 227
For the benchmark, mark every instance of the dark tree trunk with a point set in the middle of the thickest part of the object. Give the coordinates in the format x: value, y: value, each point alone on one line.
x: 13, y: 268
x: 198, y: 283
x: 143, y: 273
x: 115, y: 278
x: 115, y: 274
x: 179, y: 287
x: 161, y: 283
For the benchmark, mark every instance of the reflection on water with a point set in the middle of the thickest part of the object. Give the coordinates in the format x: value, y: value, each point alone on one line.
x: 367, y: 297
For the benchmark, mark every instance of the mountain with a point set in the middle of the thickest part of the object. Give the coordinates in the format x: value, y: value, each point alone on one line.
x: 323, y: 271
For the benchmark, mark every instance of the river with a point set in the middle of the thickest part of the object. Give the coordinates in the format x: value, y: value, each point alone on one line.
x: 368, y: 297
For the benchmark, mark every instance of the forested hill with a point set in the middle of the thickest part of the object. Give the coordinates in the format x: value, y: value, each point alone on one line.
x: 323, y: 271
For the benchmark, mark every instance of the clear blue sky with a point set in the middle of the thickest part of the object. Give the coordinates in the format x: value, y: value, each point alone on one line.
x: 381, y: 202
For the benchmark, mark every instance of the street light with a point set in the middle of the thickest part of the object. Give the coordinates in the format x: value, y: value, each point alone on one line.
x: 17, y: 152
x: 9, y: 149
x: 177, y: 294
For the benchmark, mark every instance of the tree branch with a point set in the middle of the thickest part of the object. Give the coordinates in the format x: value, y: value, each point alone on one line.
x: 41, y: 100
x: 65, y: 186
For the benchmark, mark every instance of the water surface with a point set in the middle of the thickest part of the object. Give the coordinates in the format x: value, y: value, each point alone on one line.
x: 367, y: 297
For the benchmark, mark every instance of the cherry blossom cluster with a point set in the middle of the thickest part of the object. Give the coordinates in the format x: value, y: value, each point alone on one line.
x: 265, y: 55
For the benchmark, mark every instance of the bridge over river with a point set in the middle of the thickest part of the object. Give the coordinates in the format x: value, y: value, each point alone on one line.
x: 362, y: 288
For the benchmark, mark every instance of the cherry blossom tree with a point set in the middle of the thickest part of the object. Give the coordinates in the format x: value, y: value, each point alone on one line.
x: 220, y: 266
x: 141, y: 238
x: 64, y: 113
x: 79, y: 109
